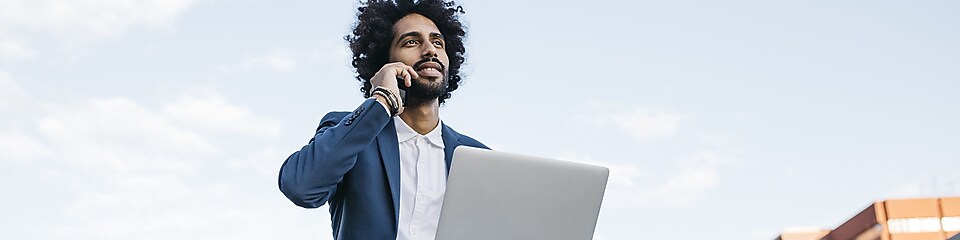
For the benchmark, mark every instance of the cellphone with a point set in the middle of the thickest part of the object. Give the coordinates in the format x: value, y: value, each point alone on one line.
x: 403, y: 91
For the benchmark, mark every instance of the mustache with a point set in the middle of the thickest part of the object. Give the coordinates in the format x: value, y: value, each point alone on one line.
x: 426, y: 60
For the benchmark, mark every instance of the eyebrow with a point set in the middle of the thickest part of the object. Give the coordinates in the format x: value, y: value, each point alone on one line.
x: 417, y: 34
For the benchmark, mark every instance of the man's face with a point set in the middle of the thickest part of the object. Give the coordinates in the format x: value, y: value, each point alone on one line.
x: 418, y: 43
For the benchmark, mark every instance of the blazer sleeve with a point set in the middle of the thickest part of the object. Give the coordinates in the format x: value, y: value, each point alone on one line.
x: 309, y: 177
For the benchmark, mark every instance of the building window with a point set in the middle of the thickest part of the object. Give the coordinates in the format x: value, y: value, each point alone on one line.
x: 951, y: 224
x: 912, y: 225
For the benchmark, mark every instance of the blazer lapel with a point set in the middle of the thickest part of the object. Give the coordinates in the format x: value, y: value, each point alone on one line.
x: 451, y: 140
x: 390, y: 155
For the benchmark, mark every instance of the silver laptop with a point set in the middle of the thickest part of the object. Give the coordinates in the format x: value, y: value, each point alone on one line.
x: 497, y: 195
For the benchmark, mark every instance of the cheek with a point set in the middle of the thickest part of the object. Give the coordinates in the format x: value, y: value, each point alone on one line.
x: 406, y: 57
x: 444, y: 59
x: 398, y: 55
x: 393, y: 56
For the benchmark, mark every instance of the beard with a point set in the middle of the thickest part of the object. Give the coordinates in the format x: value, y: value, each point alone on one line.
x: 424, y: 90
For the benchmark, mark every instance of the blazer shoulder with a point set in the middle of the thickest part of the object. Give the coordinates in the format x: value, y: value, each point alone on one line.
x: 463, y: 139
x: 469, y: 141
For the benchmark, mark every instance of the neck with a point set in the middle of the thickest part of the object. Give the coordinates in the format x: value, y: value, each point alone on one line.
x: 422, y: 116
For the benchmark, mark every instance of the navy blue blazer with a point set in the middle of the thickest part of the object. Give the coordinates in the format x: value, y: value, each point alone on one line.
x: 353, y: 163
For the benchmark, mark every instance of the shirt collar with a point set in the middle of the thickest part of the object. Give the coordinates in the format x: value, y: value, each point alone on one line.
x: 404, y: 132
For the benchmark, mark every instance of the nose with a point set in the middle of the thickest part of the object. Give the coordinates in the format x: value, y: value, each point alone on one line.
x: 430, y: 51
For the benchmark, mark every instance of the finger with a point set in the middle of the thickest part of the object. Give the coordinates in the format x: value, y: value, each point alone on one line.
x: 413, y: 74
x: 397, y: 71
x: 403, y: 74
x: 412, y: 71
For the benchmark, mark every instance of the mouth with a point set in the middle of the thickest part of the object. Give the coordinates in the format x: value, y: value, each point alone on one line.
x: 429, y: 69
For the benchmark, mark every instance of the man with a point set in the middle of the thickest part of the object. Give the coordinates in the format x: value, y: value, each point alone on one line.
x: 383, y: 167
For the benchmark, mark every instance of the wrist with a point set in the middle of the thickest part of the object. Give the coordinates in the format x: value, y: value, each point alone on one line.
x: 381, y: 99
x: 387, y: 97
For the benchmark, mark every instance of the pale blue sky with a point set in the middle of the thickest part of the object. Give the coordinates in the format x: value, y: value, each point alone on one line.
x: 161, y: 119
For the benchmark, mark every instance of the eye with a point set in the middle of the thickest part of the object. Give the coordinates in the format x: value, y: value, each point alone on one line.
x: 438, y: 43
x: 410, y: 42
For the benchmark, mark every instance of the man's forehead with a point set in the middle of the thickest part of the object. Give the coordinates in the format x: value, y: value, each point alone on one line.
x: 414, y: 23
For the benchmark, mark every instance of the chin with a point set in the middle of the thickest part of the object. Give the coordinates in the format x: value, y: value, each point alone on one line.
x: 425, y: 89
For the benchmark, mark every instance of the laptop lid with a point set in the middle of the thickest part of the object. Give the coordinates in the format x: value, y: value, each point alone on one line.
x: 498, y: 195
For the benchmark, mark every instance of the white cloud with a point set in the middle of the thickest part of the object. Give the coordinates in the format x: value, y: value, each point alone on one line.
x: 196, y: 167
x: 683, y: 188
x: 12, y: 95
x: 148, y: 166
x: 328, y: 50
x: 325, y: 53
x: 632, y: 185
x: 20, y: 148
x: 120, y: 134
x: 641, y: 122
x: 276, y: 61
x: 81, y: 20
x: 716, y: 140
x: 211, y: 112
x: 333, y: 55
x: 14, y: 50
x: 628, y: 174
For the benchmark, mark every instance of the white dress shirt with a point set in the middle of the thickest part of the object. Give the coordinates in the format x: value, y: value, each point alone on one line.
x: 423, y: 181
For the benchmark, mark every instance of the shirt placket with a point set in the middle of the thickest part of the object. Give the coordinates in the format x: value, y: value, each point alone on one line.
x: 419, y: 201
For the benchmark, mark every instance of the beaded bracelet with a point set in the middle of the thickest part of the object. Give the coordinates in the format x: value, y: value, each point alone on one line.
x: 391, y: 98
x: 389, y: 106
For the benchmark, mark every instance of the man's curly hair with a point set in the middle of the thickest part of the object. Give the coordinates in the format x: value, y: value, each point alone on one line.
x: 373, y: 32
